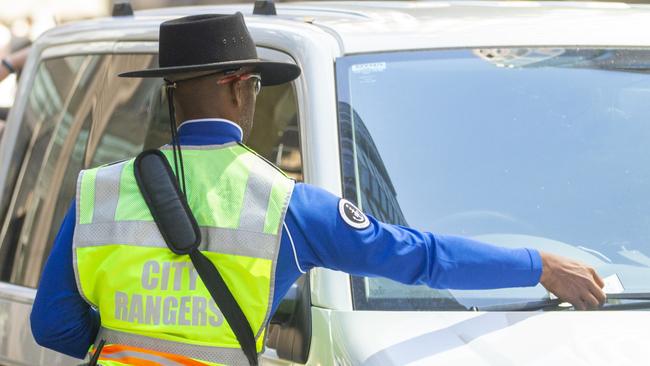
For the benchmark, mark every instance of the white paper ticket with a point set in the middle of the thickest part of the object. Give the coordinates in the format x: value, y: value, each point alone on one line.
x: 613, y: 285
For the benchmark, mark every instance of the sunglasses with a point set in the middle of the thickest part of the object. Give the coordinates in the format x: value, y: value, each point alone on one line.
x: 257, y: 79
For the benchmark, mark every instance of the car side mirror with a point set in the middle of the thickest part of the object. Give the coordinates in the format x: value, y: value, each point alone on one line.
x: 289, y: 332
x: 287, y: 306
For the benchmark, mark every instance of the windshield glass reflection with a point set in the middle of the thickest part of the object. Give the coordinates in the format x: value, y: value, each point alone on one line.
x: 544, y: 148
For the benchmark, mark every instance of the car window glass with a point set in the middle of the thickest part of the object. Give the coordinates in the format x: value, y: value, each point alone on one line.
x: 134, y: 117
x: 275, y: 133
x: 544, y: 148
x: 130, y: 114
x: 68, y: 186
x: 46, y: 127
x: 104, y: 119
x: 50, y: 88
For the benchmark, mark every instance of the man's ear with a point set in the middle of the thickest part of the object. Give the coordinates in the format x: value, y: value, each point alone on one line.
x: 236, y: 93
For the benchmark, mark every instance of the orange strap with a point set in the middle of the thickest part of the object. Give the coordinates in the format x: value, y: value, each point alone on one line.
x: 144, y: 357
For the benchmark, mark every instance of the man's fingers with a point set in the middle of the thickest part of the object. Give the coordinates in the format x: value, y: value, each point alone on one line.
x: 599, y: 281
x: 589, y: 301
x: 578, y: 304
x: 576, y: 301
x: 598, y: 293
x: 597, y: 287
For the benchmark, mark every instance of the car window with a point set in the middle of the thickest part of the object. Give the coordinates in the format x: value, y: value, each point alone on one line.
x: 48, y: 122
x: 275, y: 133
x: 134, y: 117
x: 105, y: 119
x: 131, y: 113
x: 67, y: 188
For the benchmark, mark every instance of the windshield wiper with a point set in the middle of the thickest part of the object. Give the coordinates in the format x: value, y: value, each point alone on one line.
x: 642, y: 298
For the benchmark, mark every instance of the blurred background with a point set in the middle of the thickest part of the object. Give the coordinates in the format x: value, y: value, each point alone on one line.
x: 21, y: 22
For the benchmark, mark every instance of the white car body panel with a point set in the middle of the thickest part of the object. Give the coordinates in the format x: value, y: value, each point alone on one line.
x: 495, y: 338
x: 16, y: 340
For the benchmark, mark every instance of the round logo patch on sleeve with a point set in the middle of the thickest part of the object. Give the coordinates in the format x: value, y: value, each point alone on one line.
x: 352, y: 215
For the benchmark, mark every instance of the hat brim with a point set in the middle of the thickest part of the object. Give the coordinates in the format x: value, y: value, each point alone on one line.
x: 272, y: 73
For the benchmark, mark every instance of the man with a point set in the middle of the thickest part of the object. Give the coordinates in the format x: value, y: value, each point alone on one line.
x: 13, y: 63
x: 259, y: 229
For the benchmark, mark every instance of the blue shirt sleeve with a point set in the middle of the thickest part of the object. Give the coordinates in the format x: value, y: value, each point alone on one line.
x: 61, y: 320
x: 323, y: 239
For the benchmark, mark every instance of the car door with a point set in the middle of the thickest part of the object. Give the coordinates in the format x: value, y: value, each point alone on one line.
x: 79, y: 114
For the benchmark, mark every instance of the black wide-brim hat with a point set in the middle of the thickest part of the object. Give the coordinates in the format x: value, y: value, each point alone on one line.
x: 203, y: 44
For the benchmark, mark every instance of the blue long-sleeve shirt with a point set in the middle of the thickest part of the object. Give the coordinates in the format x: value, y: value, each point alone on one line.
x: 63, y: 321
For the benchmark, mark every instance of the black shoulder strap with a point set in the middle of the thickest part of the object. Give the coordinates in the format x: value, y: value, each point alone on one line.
x: 182, y: 235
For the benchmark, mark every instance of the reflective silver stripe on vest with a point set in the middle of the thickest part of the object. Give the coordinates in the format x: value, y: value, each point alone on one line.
x: 202, y: 147
x: 141, y: 355
x: 227, y: 356
x: 107, y: 191
x: 256, y: 202
x: 146, y: 234
x: 278, y: 239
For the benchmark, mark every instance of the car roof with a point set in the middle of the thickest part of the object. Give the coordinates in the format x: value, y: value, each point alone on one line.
x: 361, y: 27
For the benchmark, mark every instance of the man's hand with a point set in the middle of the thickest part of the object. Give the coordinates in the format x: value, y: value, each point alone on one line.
x: 572, y: 282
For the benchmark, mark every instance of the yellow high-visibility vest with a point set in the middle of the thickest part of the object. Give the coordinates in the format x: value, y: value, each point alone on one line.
x: 152, y: 299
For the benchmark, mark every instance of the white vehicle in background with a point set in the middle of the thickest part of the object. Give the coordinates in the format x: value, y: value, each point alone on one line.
x: 517, y: 123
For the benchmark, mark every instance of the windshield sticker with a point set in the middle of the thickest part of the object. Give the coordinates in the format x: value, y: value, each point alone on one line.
x: 368, y: 68
x: 366, y: 73
x: 352, y: 215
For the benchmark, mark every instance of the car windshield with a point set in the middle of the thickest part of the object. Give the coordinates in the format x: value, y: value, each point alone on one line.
x: 546, y: 148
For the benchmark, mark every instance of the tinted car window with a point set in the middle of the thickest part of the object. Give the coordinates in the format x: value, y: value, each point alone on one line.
x: 134, y: 117
x: 131, y: 113
x: 105, y: 119
x: 45, y: 127
x: 275, y: 133
x: 67, y: 188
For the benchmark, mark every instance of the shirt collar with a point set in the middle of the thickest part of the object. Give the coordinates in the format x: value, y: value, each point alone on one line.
x: 209, y: 131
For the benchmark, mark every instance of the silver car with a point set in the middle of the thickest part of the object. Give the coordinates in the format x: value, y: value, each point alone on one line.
x: 516, y: 123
